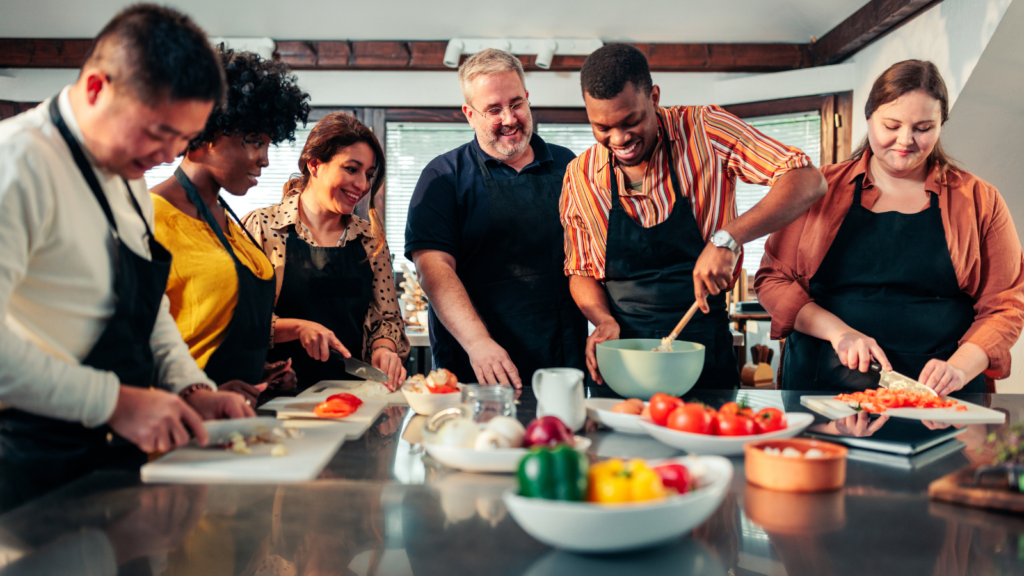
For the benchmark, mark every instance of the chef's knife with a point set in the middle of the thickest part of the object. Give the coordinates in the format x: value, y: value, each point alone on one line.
x: 897, y: 381
x: 223, y: 431
x: 360, y: 369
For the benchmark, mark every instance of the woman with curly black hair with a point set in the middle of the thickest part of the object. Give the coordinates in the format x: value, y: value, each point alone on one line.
x: 221, y: 286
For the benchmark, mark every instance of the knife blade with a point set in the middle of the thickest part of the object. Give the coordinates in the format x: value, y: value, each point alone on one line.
x: 222, y: 431
x: 360, y: 368
x: 897, y: 381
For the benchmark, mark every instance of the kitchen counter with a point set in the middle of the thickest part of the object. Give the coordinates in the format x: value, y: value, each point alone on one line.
x: 380, y: 507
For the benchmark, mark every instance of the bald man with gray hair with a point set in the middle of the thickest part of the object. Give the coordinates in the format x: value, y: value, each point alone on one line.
x: 484, y: 232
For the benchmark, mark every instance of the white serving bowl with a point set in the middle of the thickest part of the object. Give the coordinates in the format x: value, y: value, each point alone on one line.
x: 600, y: 410
x: 429, y: 404
x: 606, y: 528
x: 723, y: 445
x: 502, y: 460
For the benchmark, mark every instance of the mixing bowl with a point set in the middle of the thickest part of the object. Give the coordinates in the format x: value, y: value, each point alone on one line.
x: 630, y: 368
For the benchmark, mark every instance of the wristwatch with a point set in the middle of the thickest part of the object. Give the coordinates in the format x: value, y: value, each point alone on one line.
x: 723, y: 239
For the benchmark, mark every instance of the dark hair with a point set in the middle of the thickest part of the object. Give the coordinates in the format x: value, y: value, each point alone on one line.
x: 161, y: 53
x: 605, y: 73
x: 331, y: 135
x: 902, y: 78
x: 263, y: 98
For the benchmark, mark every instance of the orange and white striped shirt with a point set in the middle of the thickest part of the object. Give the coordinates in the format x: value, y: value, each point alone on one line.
x: 710, y: 147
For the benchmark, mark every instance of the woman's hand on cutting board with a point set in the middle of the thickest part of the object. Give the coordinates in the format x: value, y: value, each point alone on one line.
x: 942, y: 377
x: 855, y: 351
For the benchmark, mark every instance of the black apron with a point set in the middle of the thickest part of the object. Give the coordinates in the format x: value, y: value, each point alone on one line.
x: 38, y: 453
x: 649, y: 282
x: 243, y: 352
x: 889, y: 276
x: 519, y: 287
x: 332, y: 286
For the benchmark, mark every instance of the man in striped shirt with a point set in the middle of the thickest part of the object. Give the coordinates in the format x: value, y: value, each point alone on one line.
x: 649, y: 212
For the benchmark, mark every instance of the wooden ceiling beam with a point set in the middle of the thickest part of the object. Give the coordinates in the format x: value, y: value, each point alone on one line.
x: 872, y: 21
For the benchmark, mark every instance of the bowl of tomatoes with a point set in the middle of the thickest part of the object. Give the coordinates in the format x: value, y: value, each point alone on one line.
x: 701, y: 429
x: 632, y: 369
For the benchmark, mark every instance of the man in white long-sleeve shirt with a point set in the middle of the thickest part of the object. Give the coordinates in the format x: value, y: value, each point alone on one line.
x: 93, y: 370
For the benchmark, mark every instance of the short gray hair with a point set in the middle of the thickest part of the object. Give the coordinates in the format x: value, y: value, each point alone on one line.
x: 487, y: 61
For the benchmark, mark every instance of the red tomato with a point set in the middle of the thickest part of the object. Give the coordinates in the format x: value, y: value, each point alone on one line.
x: 734, y: 408
x: 347, y: 398
x: 735, y: 425
x: 336, y: 408
x: 689, y: 418
x: 769, y: 420
x: 675, y: 477
x: 661, y: 406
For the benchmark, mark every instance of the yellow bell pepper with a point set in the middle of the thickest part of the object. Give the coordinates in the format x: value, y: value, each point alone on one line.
x: 615, y: 481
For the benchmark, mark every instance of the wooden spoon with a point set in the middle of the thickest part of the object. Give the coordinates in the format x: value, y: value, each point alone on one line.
x: 667, y: 341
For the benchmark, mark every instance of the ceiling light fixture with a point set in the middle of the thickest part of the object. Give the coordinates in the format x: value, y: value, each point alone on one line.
x: 545, y: 48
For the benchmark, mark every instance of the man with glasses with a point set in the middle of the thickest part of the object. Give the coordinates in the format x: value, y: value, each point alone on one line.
x: 484, y: 232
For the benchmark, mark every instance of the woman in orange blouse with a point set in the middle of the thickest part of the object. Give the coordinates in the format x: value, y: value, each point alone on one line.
x: 908, y: 260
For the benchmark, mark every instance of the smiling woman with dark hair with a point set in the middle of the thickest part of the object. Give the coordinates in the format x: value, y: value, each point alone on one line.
x: 221, y: 286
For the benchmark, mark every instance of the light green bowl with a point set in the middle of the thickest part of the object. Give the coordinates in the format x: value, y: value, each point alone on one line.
x: 633, y: 371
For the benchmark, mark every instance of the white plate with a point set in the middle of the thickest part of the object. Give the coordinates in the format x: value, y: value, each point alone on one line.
x: 430, y: 404
x: 502, y: 460
x: 600, y: 410
x: 723, y: 445
x: 603, y: 528
x: 834, y: 409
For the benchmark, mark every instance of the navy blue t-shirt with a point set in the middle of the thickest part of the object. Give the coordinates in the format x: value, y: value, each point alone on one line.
x: 449, y: 210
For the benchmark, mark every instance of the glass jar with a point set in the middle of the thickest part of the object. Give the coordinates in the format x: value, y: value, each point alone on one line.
x: 486, y: 402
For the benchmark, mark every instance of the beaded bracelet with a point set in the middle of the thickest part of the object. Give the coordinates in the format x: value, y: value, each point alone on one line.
x: 191, y: 389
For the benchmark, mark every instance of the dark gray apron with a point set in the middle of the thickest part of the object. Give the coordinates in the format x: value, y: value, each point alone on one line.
x: 243, y: 352
x: 889, y: 276
x: 519, y: 287
x: 332, y: 286
x: 38, y: 454
x: 649, y: 282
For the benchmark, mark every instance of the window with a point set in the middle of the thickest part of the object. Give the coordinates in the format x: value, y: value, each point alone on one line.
x: 802, y: 130
x: 284, y: 162
x: 411, y: 146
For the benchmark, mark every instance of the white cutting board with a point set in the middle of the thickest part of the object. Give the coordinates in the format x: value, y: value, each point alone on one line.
x: 306, y: 457
x: 834, y: 409
x: 354, y: 425
x: 325, y: 388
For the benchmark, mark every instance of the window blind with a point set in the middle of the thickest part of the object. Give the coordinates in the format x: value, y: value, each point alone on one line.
x: 284, y: 162
x: 803, y: 131
x: 411, y: 146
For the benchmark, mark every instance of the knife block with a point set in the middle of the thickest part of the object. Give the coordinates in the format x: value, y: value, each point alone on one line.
x: 757, y: 375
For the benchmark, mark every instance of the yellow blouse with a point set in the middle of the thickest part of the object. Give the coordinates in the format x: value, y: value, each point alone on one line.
x: 203, y: 285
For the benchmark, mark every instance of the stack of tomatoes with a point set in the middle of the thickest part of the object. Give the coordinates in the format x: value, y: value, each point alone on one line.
x: 731, y: 419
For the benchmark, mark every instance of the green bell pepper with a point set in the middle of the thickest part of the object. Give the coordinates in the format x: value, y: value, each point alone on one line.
x: 556, y: 473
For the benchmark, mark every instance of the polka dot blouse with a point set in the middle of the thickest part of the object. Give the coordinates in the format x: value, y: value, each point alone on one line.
x: 270, y: 227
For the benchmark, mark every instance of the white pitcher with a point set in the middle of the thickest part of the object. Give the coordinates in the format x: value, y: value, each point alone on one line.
x: 559, y: 392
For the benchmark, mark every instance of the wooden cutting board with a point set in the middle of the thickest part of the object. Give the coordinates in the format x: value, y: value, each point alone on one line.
x: 306, y: 457
x: 354, y: 425
x: 959, y: 488
x: 833, y: 409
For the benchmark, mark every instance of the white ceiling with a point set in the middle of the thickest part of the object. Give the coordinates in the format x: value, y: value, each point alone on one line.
x: 629, y: 20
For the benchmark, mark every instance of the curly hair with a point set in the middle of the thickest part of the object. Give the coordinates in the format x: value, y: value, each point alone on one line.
x: 263, y: 98
x: 607, y: 70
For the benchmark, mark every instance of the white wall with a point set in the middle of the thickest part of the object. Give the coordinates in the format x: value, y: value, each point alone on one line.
x: 986, y: 133
x: 952, y: 34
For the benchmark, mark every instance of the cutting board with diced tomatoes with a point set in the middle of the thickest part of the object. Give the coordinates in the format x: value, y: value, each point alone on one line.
x: 834, y: 409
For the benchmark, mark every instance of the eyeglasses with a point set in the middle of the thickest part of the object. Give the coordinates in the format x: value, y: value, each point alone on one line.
x: 497, y: 114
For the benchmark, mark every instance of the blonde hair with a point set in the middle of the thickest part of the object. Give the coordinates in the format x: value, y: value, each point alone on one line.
x: 332, y: 134
x: 487, y: 61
